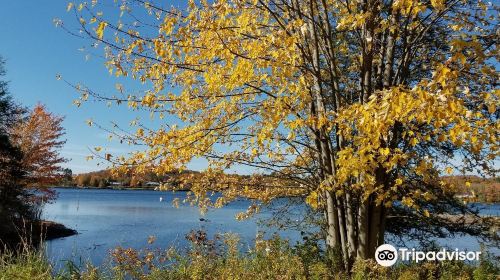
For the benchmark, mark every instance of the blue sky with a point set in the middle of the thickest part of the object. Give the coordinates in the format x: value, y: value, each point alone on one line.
x: 35, y: 52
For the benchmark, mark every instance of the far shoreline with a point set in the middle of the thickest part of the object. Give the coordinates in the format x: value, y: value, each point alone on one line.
x: 118, y: 188
x: 125, y: 188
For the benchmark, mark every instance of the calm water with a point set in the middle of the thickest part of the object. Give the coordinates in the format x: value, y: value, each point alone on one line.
x: 106, y: 219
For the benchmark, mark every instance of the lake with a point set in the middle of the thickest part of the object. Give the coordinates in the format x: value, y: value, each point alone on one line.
x: 106, y: 219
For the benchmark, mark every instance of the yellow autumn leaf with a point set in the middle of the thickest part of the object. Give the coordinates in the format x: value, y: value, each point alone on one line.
x: 413, y: 141
x: 492, y: 108
x: 100, y: 29
x: 140, y: 132
x: 426, y: 213
x: 438, y: 4
x: 384, y: 151
x: 407, y: 201
x: 312, y: 200
x: 449, y: 170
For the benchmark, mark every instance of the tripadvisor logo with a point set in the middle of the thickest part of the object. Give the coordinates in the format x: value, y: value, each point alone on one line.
x: 387, y: 255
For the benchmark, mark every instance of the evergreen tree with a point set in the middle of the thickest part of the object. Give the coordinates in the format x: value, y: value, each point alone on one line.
x: 14, y: 199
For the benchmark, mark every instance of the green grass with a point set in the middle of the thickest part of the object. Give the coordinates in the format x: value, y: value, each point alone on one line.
x: 27, y: 264
x: 221, y: 258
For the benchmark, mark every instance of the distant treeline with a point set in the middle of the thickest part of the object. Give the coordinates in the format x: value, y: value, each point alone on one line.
x: 476, y: 189
x: 106, y: 178
x: 471, y: 188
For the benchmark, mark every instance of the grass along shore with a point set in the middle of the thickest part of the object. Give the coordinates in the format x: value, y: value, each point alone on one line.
x: 221, y: 258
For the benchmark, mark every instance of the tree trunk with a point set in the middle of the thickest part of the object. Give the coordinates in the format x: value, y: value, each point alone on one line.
x: 342, y: 230
x: 351, y: 228
x: 363, y: 241
x: 374, y: 228
x: 332, y: 233
x: 389, y: 55
x: 383, y: 218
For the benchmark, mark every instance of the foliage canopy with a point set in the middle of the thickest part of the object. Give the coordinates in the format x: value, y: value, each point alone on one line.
x: 360, y: 106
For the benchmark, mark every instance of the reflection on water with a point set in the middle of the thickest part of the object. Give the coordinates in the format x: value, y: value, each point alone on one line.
x: 106, y: 219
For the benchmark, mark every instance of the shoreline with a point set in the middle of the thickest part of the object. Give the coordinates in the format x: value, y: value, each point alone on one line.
x: 117, y: 188
x: 124, y: 188
x: 50, y: 230
x: 33, y: 233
